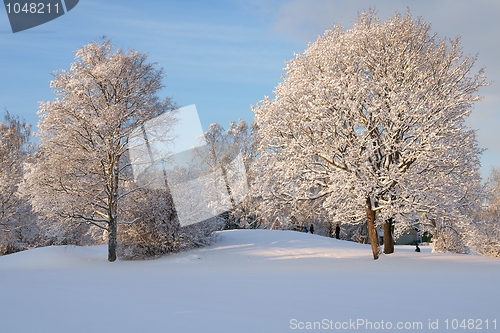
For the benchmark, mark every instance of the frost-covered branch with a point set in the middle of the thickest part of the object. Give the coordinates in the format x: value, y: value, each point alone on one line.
x: 372, y: 119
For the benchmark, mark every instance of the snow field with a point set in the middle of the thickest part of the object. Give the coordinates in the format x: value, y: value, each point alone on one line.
x: 248, y: 281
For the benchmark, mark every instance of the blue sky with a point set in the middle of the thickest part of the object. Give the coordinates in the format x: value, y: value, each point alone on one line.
x: 226, y: 55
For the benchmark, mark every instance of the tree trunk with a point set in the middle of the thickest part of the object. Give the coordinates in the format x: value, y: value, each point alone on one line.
x: 228, y: 187
x: 229, y: 220
x: 388, y: 238
x: 372, y: 230
x: 113, y: 213
x: 112, y: 241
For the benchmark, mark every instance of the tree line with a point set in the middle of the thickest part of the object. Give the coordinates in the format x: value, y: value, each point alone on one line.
x: 367, y: 130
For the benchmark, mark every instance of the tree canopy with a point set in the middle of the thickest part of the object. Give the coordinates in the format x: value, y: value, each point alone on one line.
x: 370, y: 122
x: 81, y: 174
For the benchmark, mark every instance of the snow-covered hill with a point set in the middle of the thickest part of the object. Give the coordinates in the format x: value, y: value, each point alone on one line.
x: 249, y: 281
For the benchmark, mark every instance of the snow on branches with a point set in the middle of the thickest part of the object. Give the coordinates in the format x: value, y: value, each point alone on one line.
x: 16, y: 220
x: 370, y: 121
x: 80, y: 174
x: 485, y: 234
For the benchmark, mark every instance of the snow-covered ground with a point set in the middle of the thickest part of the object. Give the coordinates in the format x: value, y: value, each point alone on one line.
x: 249, y: 281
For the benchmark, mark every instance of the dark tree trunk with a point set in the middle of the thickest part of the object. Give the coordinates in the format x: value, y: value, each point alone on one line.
x: 388, y: 238
x: 112, y: 241
x: 227, y: 215
x: 228, y: 187
x: 433, y: 221
x: 372, y: 230
x: 113, y: 213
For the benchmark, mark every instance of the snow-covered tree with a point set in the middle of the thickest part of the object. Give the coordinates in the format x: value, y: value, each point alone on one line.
x: 229, y: 155
x: 80, y: 174
x: 14, y: 139
x: 16, y: 219
x: 243, y: 136
x: 157, y: 229
x: 370, y: 121
x: 485, y: 235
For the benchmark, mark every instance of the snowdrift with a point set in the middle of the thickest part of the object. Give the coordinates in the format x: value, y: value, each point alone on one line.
x: 248, y: 281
